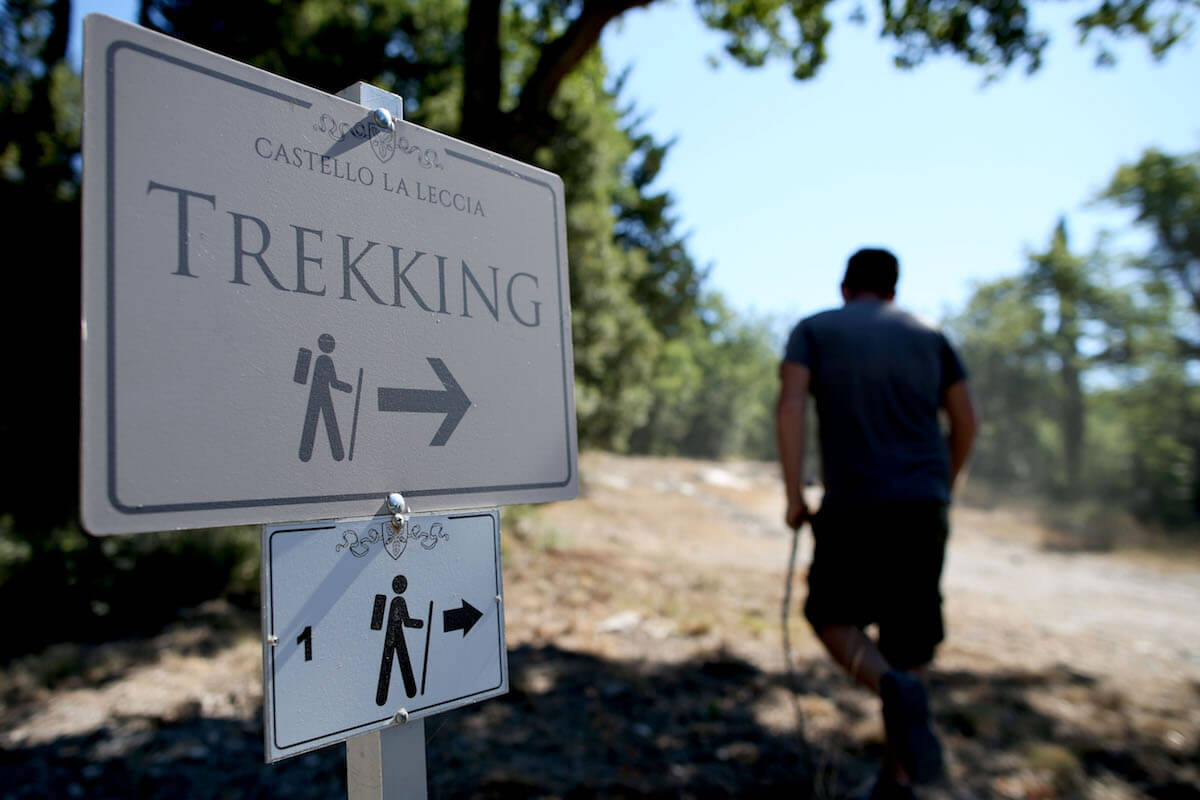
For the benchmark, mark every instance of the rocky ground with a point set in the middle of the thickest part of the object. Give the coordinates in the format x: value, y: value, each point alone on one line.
x: 646, y: 661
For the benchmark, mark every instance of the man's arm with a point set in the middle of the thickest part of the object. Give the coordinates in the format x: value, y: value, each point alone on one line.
x: 790, y: 422
x: 963, y: 425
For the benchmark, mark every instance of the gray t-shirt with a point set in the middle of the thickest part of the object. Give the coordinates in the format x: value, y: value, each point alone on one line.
x: 878, y: 375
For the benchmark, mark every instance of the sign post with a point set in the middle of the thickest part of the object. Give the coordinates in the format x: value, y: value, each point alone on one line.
x: 389, y: 764
x: 294, y: 305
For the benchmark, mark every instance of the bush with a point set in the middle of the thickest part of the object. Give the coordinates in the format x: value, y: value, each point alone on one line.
x: 67, y: 586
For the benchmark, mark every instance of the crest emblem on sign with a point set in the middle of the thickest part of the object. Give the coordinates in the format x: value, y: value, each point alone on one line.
x: 383, y: 142
x: 396, y: 543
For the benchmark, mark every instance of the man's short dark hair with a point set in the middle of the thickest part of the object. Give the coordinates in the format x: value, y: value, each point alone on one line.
x: 872, y: 270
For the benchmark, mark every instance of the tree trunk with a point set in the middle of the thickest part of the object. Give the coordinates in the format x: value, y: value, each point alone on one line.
x: 520, y: 132
x: 1072, y: 424
x: 481, y: 75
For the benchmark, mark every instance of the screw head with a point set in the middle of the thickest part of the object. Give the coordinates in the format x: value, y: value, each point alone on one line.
x: 401, y: 716
x: 383, y: 118
x: 396, y: 503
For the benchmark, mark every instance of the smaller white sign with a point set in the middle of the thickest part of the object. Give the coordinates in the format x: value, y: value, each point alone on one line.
x: 366, y: 625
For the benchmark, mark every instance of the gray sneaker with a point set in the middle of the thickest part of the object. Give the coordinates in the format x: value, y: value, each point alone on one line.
x: 909, y: 728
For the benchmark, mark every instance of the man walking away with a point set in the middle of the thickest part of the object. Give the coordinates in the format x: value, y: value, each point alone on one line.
x: 879, y: 377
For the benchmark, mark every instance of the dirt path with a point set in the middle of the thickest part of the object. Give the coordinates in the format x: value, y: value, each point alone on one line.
x: 643, y: 627
x: 1131, y: 622
x: 1010, y: 603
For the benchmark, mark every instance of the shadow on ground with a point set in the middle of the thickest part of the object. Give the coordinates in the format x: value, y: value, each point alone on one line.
x: 575, y: 725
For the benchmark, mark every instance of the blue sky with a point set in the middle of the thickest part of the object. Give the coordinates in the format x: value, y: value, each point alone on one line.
x: 777, y: 182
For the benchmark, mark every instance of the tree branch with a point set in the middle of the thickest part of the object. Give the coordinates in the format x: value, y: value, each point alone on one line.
x: 563, y: 54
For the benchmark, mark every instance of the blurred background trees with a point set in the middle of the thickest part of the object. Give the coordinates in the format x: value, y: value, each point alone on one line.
x: 40, y: 114
x: 1083, y: 364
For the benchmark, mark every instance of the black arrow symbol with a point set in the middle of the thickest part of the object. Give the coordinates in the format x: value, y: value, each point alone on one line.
x: 453, y: 401
x: 460, y: 619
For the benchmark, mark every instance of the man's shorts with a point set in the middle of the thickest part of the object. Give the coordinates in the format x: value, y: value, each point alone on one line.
x: 881, y: 563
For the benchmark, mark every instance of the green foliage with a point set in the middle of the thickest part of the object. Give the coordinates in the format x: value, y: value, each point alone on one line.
x: 408, y: 46
x: 1087, y: 323
x: 994, y: 35
x: 1164, y: 190
x: 88, y: 589
x: 73, y: 586
x: 1145, y: 456
x: 614, y: 338
x: 1161, y: 24
x: 669, y: 286
x: 1080, y: 365
x: 677, y: 388
x: 761, y: 29
x: 714, y: 389
x: 740, y: 365
x: 39, y: 191
x: 1000, y: 338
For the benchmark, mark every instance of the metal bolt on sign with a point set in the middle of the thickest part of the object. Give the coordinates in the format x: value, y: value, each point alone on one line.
x: 384, y: 118
x: 399, y: 508
x: 396, y: 503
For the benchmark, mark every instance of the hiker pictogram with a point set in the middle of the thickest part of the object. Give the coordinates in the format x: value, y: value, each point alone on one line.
x: 320, y: 399
x: 394, y: 644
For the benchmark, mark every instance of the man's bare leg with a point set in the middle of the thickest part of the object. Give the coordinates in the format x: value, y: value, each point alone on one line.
x: 858, y: 654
